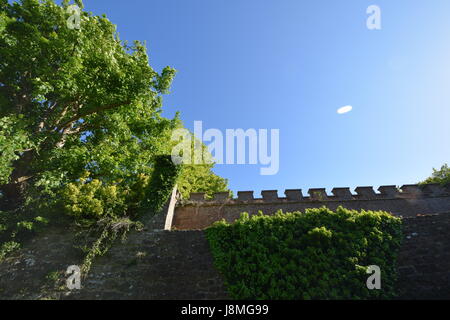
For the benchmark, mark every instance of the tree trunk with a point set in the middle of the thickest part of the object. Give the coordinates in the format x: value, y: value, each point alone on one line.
x: 13, y: 193
x: 13, y: 196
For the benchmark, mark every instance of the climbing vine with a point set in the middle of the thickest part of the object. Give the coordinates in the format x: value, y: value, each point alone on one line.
x: 318, y: 254
x: 110, y: 230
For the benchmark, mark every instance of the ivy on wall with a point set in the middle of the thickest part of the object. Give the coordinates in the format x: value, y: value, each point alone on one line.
x: 318, y: 254
x: 163, y: 181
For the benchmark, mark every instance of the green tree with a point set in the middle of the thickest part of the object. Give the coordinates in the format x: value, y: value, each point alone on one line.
x: 200, y: 178
x: 441, y: 176
x: 78, y: 106
x: 197, y: 175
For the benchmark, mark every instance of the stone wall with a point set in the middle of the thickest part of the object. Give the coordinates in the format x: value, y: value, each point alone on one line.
x: 150, y: 265
x: 32, y: 272
x: 424, y: 261
x: 157, y: 264
x: 178, y: 265
x: 408, y: 201
x: 163, y: 264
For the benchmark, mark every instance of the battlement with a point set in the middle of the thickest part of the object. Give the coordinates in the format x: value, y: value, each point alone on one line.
x: 198, y: 212
x: 321, y: 195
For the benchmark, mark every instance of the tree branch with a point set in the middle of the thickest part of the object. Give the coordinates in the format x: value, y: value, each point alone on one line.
x: 87, y: 113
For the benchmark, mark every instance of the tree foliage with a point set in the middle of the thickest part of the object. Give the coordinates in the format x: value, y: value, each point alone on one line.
x: 200, y: 178
x: 80, y: 112
x: 81, y: 129
x: 441, y: 176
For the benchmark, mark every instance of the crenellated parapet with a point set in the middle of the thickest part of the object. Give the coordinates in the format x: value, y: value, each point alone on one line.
x: 199, y: 212
x: 321, y: 195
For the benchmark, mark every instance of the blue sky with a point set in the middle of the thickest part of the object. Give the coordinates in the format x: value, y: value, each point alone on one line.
x: 289, y: 65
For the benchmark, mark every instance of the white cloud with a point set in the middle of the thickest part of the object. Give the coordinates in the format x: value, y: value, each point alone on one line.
x: 345, y: 109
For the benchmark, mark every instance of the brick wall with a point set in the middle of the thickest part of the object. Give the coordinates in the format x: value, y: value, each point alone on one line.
x: 408, y: 201
x: 424, y: 261
x: 157, y: 264
x: 150, y: 265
